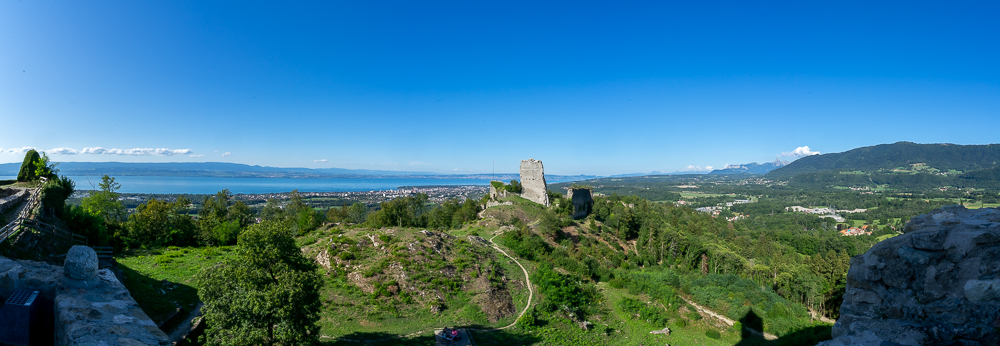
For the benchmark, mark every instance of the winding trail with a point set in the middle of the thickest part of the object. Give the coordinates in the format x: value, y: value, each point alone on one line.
x: 822, y: 318
x: 728, y: 321
x: 527, y: 279
x: 531, y: 295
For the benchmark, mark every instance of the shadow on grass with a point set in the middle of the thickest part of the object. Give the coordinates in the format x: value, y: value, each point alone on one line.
x: 166, y: 303
x: 803, y: 337
x: 481, y: 338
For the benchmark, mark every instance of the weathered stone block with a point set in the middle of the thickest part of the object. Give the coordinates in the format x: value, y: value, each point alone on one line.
x: 81, y: 263
x: 981, y: 290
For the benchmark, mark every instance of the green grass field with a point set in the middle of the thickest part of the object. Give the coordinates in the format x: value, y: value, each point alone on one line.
x: 163, y: 280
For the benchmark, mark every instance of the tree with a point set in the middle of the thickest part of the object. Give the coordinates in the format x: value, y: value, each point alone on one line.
x: 157, y: 222
x: 267, y: 293
x: 220, y: 220
x: 27, y: 172
x: 104, y: 203
x: 45, y: 168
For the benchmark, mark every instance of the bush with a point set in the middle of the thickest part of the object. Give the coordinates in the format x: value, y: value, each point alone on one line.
x: 652, y: 314
x: 528, y: 320
x: 712, y: 333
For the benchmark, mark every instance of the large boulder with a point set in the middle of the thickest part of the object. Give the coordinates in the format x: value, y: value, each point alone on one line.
x: 937, y: 284
x: 81, y: 263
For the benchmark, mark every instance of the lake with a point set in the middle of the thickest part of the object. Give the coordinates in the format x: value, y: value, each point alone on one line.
x: 210, y: 185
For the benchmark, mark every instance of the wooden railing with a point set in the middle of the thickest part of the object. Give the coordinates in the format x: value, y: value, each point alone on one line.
x: 55, y: 231
x: 23, y: 220
x: 22, y: 215
x: 104, y: 251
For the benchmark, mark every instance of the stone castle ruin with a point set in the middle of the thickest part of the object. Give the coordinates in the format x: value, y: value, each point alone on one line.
x: 533, y: 186
x: 583, y: 201
x: 533, y: 182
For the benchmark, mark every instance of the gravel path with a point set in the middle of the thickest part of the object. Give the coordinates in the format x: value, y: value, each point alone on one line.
x: 728, y: 321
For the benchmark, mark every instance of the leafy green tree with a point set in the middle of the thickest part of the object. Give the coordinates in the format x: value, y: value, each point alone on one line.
x: 44, y: 167
x: 357, y: 213
x: 158, y: 222
x: 27, y: 171
x: 105, y: 203
x: 220, y: 220
x: 302, y: 218
x: 401, y: 212
x: 55, y: 193
x: 267, y: 293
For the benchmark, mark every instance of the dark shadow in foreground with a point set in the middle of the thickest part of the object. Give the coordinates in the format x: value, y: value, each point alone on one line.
x: 803, y: 337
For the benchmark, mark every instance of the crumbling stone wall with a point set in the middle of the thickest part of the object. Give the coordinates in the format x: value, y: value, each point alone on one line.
x: 11, y: 198
x: 937, y: 284
x: 533, y: 187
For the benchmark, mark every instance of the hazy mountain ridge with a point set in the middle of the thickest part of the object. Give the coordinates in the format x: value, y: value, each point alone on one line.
x: 237, y: 170
x: 751, y: 168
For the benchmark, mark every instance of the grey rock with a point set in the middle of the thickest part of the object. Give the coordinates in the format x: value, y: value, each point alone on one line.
x: 929, y: 240
x: 982, y: 290
x: 913, y: 256
x: 81, y: 263
x: 938, y: 283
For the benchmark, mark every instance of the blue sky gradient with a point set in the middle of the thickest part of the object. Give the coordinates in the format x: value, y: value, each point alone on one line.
x: 587, y: 87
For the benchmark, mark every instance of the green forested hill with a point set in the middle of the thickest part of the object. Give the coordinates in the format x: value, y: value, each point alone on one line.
x: 942, y: 157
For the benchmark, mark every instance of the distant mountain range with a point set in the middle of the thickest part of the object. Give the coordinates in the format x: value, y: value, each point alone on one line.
x: 752, y: 168
x: 905, y: 155
x: 236, y: 170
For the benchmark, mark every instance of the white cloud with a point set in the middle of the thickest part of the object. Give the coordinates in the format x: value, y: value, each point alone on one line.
x: 799, y: 152
x: 137, y: 151
x: 196, y: 155
x: 322, y: 161
x: 20, y: 150
x: 693, y: 168
x: 113, y: 151
x: 227, y: 154
x: 63, y: 151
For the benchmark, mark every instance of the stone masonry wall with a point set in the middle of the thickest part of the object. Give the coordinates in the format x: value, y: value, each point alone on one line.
x: 937, y: 284
x: 533, y: 187
x: 91, y: 306
x: 11, y: 200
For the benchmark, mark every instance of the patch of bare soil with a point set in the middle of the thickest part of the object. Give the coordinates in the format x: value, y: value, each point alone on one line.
x: 495, y: 301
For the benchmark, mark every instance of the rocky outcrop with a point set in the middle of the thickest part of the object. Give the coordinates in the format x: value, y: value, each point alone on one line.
x: 533, y: 187
x: 937, y: 284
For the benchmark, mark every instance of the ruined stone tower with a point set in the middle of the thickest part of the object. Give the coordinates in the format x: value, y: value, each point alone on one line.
x: 533, y: 182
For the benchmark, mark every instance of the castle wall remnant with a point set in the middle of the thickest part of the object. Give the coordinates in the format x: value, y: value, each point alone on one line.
x: 583, y: 200
x: 533, y: 182
x: 937, y: 284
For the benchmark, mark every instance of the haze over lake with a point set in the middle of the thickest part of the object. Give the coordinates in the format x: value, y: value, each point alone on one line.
x: 209, y: 185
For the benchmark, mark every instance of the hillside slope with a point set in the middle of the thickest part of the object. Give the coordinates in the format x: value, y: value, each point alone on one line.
x: 943, y: 157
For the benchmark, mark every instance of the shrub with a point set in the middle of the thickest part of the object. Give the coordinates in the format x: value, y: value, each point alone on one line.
x: 712, y: 333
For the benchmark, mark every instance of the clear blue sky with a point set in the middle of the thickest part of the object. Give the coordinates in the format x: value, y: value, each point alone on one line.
x: 588, y: 88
